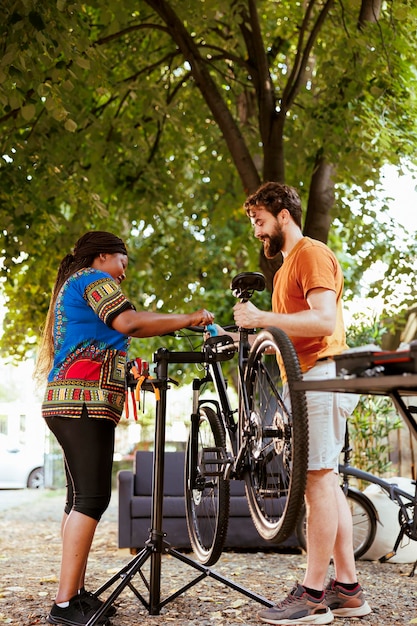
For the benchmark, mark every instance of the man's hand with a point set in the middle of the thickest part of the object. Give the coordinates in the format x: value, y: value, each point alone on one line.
x: 247, y: 315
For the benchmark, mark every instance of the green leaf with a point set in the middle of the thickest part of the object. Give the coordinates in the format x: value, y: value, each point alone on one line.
x: 157, y: 129
x: 70, y: 125
x: 28, y: 111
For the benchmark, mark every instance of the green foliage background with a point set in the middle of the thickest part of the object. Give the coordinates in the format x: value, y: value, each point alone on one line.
x: 153, y: 119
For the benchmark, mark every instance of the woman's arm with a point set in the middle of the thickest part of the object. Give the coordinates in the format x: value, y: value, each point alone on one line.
x: 149, y: 324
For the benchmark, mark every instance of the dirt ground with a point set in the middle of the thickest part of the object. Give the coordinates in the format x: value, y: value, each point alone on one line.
x: 29, y: 568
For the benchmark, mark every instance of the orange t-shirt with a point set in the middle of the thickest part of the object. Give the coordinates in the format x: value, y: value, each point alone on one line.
x: 310, y: 265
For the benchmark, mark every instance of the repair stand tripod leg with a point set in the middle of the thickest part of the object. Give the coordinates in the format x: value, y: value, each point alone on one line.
x: 156, y: 545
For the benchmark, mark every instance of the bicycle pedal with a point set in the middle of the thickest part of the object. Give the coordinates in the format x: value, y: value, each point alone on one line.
x: 387, y: 557
x: 213, y: 461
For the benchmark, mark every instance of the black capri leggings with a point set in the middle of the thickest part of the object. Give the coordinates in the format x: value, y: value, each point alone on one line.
x: 88, y: 446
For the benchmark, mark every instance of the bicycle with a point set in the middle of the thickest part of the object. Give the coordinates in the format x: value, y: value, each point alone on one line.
x: 264, y: 441
x: 364, y: 514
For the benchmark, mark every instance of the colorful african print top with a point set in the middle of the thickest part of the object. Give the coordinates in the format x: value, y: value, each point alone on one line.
x: 90, y: 357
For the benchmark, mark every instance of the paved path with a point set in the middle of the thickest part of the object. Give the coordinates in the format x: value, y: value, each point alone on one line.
x: 10, y: 498
x: 30, y: 561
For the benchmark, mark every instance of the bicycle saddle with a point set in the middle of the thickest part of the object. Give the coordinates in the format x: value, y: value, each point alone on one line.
x: 243, y: 285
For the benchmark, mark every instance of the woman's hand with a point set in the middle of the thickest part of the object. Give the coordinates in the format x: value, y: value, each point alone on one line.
x: 202, y: 317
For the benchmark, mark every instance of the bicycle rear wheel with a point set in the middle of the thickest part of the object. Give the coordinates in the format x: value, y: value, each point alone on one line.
x: 207, y: 493
x: 364, y: 518
x: 277, y: 432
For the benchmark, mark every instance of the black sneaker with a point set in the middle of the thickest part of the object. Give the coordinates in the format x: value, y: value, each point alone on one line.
x: 77, y: 613
x: 95, y: 603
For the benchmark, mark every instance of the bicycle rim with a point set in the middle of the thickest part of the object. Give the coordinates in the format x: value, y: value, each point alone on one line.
x: 277, y: 436
x: 207, y: 495
x: 364, y: 520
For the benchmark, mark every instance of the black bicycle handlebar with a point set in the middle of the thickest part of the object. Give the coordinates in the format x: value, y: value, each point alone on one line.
x: 208, y: 355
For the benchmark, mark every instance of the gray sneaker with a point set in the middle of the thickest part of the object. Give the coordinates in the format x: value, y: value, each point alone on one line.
x: 346, y: 603
x: 298, y: 608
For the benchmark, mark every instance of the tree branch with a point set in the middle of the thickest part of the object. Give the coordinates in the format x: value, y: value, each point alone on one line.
x: 211, y: 94
x: 130, y: 29
x: 260, y: 70
x: 302, y: 56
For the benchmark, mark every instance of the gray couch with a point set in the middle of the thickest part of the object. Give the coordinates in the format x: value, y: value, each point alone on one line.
x: 135, y: 502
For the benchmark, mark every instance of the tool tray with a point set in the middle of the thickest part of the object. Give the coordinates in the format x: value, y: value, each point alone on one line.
x: 374, y: 362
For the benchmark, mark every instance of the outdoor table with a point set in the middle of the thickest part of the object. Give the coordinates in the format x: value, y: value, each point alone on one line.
x: 396, y: 387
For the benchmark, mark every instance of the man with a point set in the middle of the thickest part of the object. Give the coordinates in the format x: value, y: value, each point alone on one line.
x: 307, y: 305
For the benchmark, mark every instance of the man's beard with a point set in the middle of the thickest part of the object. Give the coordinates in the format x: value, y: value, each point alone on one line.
x: 273, y: 244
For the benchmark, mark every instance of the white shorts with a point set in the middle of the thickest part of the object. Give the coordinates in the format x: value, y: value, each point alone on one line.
x: 327, y: 414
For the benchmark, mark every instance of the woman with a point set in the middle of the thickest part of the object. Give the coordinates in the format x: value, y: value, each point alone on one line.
x: 83, y: 357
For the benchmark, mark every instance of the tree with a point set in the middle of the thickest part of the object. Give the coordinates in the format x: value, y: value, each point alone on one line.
x: 155, y: 118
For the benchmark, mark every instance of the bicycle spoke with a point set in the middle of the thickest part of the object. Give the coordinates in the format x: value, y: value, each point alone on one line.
x: 206, y: 491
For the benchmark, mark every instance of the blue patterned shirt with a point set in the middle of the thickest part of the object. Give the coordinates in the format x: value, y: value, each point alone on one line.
x: 90, y: 356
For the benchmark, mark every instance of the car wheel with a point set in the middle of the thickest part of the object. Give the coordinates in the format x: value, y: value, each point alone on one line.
x: 36, y: 478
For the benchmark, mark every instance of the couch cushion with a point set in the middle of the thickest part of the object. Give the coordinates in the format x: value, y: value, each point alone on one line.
x: 239, y: 507
x: 143, y: 473
x: 173, y: 473
x: 141, y: 506
x: 237, y: 488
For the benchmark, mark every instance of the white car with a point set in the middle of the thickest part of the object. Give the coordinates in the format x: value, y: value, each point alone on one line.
x: 20, y: 466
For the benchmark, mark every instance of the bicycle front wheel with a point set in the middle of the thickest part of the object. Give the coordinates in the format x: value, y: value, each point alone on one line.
x: 364, y: 519
x: 276, y: 429
x: 207, y: 494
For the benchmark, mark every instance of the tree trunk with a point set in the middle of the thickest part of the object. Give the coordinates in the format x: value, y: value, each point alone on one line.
x: 269, y: 267
x: 370, y: 12
x: 320, y: 202
x: 233, y: 137
x: 273, y: 151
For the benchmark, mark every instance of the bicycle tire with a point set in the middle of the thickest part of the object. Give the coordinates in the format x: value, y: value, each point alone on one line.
x: 277, y: 431
x: 207, y: 495
x: 364, y: 518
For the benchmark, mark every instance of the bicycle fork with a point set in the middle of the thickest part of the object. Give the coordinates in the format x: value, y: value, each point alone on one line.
x: 207, y: 461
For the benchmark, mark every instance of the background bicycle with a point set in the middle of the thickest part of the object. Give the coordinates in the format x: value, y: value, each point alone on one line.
x: 364, y: 514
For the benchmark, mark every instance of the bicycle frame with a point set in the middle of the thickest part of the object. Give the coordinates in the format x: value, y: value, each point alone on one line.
x: 235, y: 444
x: 243, y: 286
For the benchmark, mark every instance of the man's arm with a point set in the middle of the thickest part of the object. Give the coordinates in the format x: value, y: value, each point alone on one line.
x: 317, y: 321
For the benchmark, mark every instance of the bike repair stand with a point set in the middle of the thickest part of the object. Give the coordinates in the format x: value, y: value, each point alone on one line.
x: 156, y: 545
